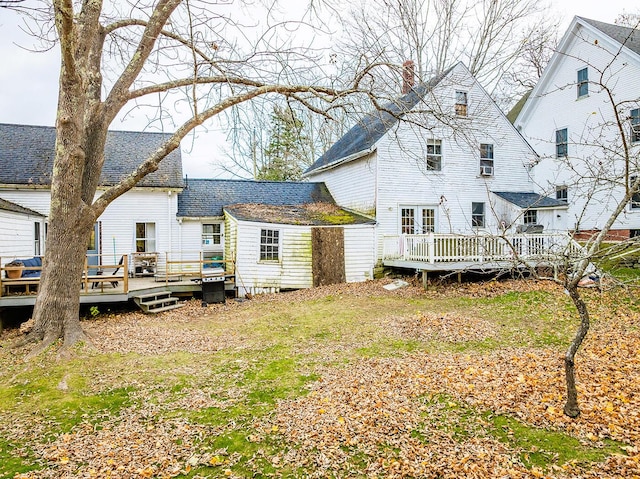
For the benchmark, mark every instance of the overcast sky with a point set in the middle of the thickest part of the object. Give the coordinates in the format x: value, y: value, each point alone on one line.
x: 28, y: 81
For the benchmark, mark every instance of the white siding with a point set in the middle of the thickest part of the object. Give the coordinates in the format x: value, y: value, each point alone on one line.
x: 117, y: 223
x: 359, y: 253
x: 17, y: 235
x: 353, y: 185
x: 404, y: 180
x: 294, y: 270
x: 555, y: 106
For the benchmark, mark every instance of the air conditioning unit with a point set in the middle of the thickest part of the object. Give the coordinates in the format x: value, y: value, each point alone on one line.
x: 635, y: 128
x: 486, y: 170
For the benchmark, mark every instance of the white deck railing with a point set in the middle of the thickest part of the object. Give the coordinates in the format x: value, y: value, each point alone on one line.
x: 439, y: 248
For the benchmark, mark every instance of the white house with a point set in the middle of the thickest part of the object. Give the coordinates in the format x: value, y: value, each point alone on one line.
x: 570, y: 121
x: 22, y: 231
x: 142, y: 220
x: 278, y: 235
x: 441, y: 159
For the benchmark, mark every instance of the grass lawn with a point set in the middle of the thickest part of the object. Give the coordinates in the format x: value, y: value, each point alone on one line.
x: 341, y: 381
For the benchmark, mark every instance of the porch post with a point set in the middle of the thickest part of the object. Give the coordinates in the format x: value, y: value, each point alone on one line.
x: 431, y: 243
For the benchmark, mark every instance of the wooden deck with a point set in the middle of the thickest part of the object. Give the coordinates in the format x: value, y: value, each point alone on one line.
x: 437, y: 252
x: 109, y: 282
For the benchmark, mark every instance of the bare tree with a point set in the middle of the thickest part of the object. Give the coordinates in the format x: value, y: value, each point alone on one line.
x: 488, y: 36
x: 205, y: 56
x: 600, y: 167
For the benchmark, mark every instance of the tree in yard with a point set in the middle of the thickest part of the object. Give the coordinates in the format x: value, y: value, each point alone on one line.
x: 489, y: 36
x: 595, y: 160
x: 284, y: 155
x: 116, y: 56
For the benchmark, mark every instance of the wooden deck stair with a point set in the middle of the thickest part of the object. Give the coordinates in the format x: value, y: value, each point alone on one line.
x: 152, y: 303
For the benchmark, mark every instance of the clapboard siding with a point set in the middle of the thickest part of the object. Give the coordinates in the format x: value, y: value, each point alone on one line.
x: 353, y: 184
x: 359, y: 253
x: 294, y: 270
x: 117, y: 223
x: 589, y: 121
x: 17, y: 235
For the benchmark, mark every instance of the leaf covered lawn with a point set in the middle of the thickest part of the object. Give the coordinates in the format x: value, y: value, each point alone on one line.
x: 342, y: 381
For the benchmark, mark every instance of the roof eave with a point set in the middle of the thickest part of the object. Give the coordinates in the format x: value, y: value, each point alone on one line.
x: 340, y: 161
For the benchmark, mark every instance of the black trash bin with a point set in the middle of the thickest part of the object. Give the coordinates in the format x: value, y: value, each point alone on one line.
x: 213, y: 289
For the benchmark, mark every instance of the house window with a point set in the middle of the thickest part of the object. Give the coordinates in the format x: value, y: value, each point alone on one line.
x: 583, y: 82
x: 635, y: 125
x: 635, y: 198
x: 211, y: 234
x: 477, y: 215
x: 407, y: 221
x: 562, y: 143
x: 36, y: 235
x: 145, y: 237
x: 530, y: 217
x: 562, y: 194
x: 417, y: 220
x: 434, y: 155
x: 486, y: 159
x: 269, y: 245
x: 461, y: 103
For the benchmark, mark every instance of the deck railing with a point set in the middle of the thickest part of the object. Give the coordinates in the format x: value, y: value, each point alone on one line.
x: 193, y: 264
x: 441, y: 248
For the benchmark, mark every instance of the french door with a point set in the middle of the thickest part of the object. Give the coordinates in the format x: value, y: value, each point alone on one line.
x: 416, y: 220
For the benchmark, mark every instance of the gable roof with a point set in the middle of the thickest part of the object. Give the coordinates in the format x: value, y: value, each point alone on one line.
x: 362, y: 137
x: 207, y: 197
x: 530, y: 200
x: 627, y: 36
x: 310, y: 214
x: 27, y: 153
x: 16, y: 208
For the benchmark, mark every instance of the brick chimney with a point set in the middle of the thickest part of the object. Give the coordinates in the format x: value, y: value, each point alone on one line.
x: 408, y: 76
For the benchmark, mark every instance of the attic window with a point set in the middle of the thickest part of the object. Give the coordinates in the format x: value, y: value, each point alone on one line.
x: 461, y: 103
x: 583, y: 82
x: 562, y: 143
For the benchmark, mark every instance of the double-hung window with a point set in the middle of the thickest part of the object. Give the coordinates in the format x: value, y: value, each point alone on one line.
x: 461, y: 103
x: 635, y: 125
x: 530, y: 217
x: 145, y: 237
x: 562, y: 193
x: 477, y: 215
x: 269, y: 245
x: 486, y: 159
x: 211, y: 234
x: 37, y: 240
x: 583, y: 82
x: 635, y: 198
x: 434, y: 155
x: 562, y: 143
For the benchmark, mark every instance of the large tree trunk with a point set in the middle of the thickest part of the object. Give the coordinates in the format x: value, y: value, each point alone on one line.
x: 571, y: 407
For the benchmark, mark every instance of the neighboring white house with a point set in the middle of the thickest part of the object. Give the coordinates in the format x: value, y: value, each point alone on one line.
x: 441, y: 159
x: 22, y: 231
x: 142, y: 220
x: 279, y: 235
x: 569, y: 120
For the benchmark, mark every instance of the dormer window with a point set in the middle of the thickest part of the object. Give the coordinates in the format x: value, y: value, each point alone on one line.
x: 461, y: 103
x: 583, y: 82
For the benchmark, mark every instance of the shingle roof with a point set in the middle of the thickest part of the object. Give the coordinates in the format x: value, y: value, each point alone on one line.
x: 626, y: 36
x: 207, y: 197
x: 366, y: 133
x: 530, y: 200
x: 16, y: 208
x: 27, y: 153
x: 311, y: 214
